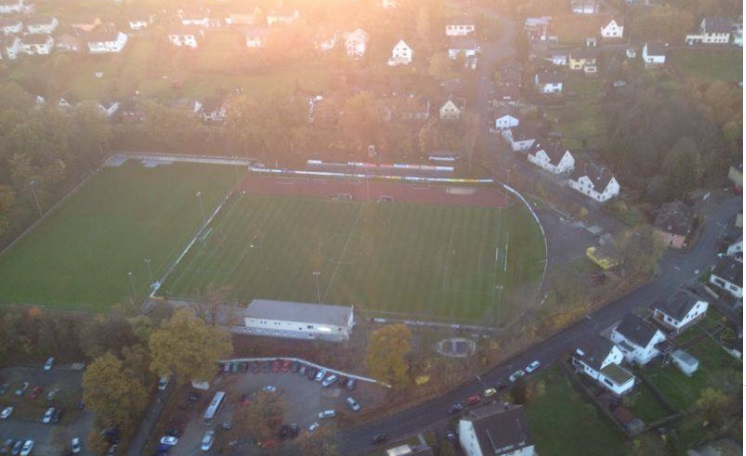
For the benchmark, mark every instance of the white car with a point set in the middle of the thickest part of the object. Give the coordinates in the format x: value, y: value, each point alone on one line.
x: 516, y: 375
x: 327, y: 414
x: 163, y: 383
x: 6, y: 412
x: 48, y: 365
x: 208, y: 440
x: 352, y: 403
x: 313, y: 427
x: 329, y: 381
x: 320, y: 376
x: 48, y: 415
x: 75, y: 445
x: 27, y: 447
x: 532, y: 367
x: 269, y: 389
x: 169, y: 440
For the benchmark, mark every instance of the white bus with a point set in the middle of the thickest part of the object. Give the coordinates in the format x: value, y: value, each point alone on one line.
x: 215, y: 405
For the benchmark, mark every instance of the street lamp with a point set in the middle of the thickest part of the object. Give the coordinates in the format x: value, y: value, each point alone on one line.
x: 132, y: 283
x: 201, y: 207
x: 316, y: 275
x: 150, y: 271
x: 235, y: 168
x: 32, y: 184
x: 499, y: 289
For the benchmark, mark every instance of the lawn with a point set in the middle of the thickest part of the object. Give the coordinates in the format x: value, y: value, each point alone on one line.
x: 80, y: 256
x: 398, y: 259
x: 720, y: 65
x: 564, y: 423
x: 581, y: 124
x: 644, y: 404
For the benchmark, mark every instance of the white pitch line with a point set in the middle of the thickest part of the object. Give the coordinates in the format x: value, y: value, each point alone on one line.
x: 341, y: 256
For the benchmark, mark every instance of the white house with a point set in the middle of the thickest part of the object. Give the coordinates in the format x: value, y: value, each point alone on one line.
x: 551, y: 157
x: 735, y: 248
x: 401, y: 54
x: 297, y: 320
x: 356, y: 43
x: 466, y: 47
x: 185, y: 36
x: 460, y: 26
x: 599, y: 359
x: 496, y: 430
x: 728, y: 275
x: 37, y: 44
x: 713, y: 30
x: 12, y: 47
x: 637, y: 339
x: 451, y: 110
x: 256, y: 36
x: 11, y: 6
x: 558, y: 58
x: 282, y: 16
x: 389, y: 4
x: 612, y: 29
x: 585, y: 6
x: 107, y: 108
x: 11, y: 26
x: 595, y: 181
x: 214, y: 109
x: 106, y: 42
x: 678, y: 311
x: 519, y: 138
x: 653, y: 53
x: 42, y: 25
x: 505, y: 119
x: 196, y: 18
x: 548, y: 82
x: 537, y: 28
x: 140, y: 22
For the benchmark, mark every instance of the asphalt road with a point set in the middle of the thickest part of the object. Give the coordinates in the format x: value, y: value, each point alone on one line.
x: 676, y: 268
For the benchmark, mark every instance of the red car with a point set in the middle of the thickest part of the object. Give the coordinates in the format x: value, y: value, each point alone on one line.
x: 471, y: 400
x: 35, y: 392
x: 276, y: 366
x: 245, y: 400
x: 286, y: 365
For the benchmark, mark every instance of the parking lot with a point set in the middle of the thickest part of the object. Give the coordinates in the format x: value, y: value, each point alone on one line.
x: 302, y: 400
x: 25, y: 422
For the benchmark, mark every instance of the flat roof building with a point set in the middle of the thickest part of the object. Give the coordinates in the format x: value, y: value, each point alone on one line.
x: 297, y: 320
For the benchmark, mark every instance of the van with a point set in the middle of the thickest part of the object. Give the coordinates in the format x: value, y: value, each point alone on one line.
x: 327, y: 414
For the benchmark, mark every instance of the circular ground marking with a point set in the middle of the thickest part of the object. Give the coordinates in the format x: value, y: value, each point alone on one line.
x: 346, y: 248
x: 456, y: 347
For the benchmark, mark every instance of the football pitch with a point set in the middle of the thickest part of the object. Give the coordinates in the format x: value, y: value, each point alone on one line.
x: 81, y: 256
x: 403, y: 260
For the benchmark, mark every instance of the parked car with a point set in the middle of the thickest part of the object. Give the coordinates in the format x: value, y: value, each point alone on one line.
x: 352, y: 403
x: 452, y: 436
x: 48, y: 365
x: 313, y: 427
x: 52, y: 394
x: 379, y: 438
x: 58, y: 414
x: 35, y: 392
x: 320, y: 375
x: 516, y: 375
x: 455, y: 408
x: 294, y: 366
x: 7, y: 446
x: 173, y: 432
x: 254, y: 367
x: 343, y: 381
x: 276, y: 366
x: 19, y: 392
x: 302, y: 370
x: 331, y: 413
x: 269, y: 389
x: 245, y: 400
x: 75, y: 445
x: 163, y: 382
x: 475, y: 399
x: 351, y: 384
x: 16, y: 450
x: 490, y: 392
x: 267, y: 367
x: 6, y: 412
x: 294, y: 430
x: 169, y: 440
x: 501, y: 386
x: 4, y: 388
x: 329, y: 381
x: 284, y: 432
x: 27, y: 447
x: 285, y: 365
x: 532, y: 367
x: 208, y: 440
x: 311, y: 374
x: 48, y: 416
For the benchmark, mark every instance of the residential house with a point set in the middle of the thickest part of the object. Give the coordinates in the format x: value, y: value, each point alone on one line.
x: 735, y: 174
x: 558, y: 58
x: 85, y: 23
x: 68, y: 42
x: 11, y: 6
x: 282, y: 16
x: 67, y: 103
x: 549, y: 82
x: 552, y: 157
x: 600, y: 359
x: 37, y: 44
x: 462, y: 46
x: 736, y: 248
x: 452, y: 109
x: 728, y: 275
x: 738, y: 35
x: 356, y: 43
x: 107, y: 108
x: 214, y: 109
x: 519, y: 137
x: 595, y: 181
x: 460, y: 26
x: 243, y: 14
x: 409, y: 449
x: 674, y: 223
x: 129, y: 111
x: 713, y: 30
x: 194, y: 17
x: 406, y: 108
x: 325, y: 41
x: 185, y: 36
x: 512, y: 74
x: 506, y: 118
x: 140, y: 21
x: 256, y: 36
x: 496, y: 430
x: 653, y: 53
x: 401, y: 54
x: 10, y: 26
x: 12, y: 46
x: 389, y: 4
x: 297, y: 320
x: 106, y: 42
x: 678, y: 311
x: 537, y: 28
x: 584, y: 59
x: 637, y: 339
x: 507, y: 93
x: 42, y: 25
x: 614, y: 28
x: 585, y: 6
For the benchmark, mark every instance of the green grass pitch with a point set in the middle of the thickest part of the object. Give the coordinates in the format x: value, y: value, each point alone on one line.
x: 389, y: 259
x: 79, y: 258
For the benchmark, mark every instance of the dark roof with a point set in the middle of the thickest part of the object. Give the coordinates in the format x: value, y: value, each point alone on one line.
x: 500, y: 428
x: 584, y: 53
x: 36, y: 39
x: 676, y: 218
x: 257, y: 31
x: 186, y: 30
x: 636, y: 330
x: 554, y: 150
x: 39, y: 20
x: 656, y: 48
x: 9, y: 21
x: 678, y: 304
x: 507, y: 92
x: 521, y: 132
x: 619, y: 22
x: 717, y: 25
x: 103, y: 36
x: 595, y: 349
x: 511, y: 74
x: 729, y: 269
x: 549, y: 77
x: 599, y: 175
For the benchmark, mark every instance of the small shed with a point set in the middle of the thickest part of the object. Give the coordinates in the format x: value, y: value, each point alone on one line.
x: 684, y: 361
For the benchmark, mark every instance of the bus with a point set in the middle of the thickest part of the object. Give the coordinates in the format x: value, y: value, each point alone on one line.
x: 215, y: 405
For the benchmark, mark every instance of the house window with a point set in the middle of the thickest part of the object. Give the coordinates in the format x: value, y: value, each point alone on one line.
x: 608, y: 382
x: 309, y: 326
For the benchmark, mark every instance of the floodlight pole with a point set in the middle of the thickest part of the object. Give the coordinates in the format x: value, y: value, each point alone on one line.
x: 150, y: 272
x: 32, y: 184
x: 316, y: 275
x: 132, y: 283
x: 499, y: 289
x: 201, y: 207
x: 235, y: 168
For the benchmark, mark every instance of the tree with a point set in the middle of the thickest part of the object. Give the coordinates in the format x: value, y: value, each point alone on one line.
x: 320, y: 443
x: 188, y: 348
x: 362, y: 121
x: 472, y: 126
x: 518, y: 393
x: 440, y: 67
x: 261, y: 418
x: 386, y: 354
x: 423, y: 22
x: 712, y: 403
x: 114, y: 396
x: 682, y: 168
x: 641, y: 249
